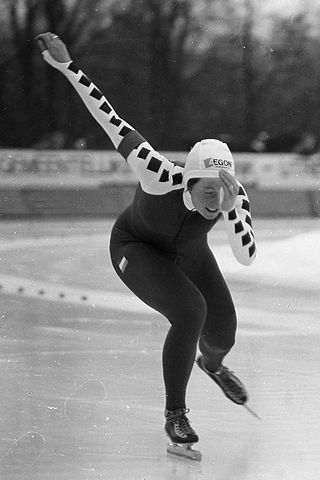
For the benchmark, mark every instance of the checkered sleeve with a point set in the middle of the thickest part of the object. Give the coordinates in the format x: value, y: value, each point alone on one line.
x: 240, y: 231
x: 156, y: 173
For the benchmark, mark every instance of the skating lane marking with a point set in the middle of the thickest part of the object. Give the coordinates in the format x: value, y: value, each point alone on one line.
x: 60, y: 293
x: 64, y: 294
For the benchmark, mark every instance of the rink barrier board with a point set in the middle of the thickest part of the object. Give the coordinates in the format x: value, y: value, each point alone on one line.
x: 111, y: 199
x: 101, y: 183
x: 282, y: 203
x: 315, y: 202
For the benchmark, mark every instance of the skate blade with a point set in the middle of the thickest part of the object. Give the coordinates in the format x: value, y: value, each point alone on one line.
x: 184, y: 450
x: 254, y: 414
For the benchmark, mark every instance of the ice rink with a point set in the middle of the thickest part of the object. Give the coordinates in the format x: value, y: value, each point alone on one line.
x: 82, y: 396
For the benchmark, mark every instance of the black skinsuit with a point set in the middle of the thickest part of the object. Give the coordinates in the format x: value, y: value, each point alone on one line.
x: 166, y: 261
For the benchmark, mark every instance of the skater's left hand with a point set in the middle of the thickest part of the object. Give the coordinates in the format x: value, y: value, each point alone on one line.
x: 230, y: 188
x: 57, y: 49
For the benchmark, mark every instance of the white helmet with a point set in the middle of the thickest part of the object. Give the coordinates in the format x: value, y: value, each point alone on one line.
x: 206, y: 158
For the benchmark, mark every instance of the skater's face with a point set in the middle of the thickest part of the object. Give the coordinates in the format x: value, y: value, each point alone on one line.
x: 206, y: 196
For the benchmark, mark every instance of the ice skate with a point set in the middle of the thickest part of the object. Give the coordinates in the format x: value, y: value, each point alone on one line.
x: 181, y: 434
x: 231, y: 386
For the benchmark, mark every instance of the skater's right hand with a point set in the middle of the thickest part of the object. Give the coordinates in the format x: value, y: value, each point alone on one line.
x: 230, y: 189
x: 51, y: 42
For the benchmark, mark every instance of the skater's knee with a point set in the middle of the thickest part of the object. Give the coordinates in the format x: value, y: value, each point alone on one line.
x: 192, y: 314
x: 217, y: 340
x: 227, y: 343
x: 217, y: 345
x: 196, y: 312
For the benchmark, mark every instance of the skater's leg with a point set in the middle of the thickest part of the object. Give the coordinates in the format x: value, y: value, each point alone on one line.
x: 157, y: 280
x: 218, y: 334
x: 180, y: 348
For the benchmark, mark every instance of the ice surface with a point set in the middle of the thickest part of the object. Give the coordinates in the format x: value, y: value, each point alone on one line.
x: 81, y: 387
x: 291, y: 262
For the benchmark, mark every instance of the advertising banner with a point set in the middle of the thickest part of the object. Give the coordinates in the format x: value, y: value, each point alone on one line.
x: 261, y: 171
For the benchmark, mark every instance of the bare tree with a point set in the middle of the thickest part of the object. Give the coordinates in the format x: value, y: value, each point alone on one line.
x: 170, y: 24
x: 178, y: 68
x: 76, y: 21
x: 248, y: 44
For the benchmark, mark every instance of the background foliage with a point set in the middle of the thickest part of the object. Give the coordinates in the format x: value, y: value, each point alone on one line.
x: 177, y: 70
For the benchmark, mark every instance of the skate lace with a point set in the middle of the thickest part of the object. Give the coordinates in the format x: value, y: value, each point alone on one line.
x: 181, y: 422
x: 183, y: 427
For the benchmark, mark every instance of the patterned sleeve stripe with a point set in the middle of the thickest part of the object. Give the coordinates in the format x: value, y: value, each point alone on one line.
x: 248, y: 220
x: 164, y: 176
x: 177, y: 178
x: 115, y: 121
x: 95, y: 93
x: 252, y: 249
x: 105, y: 107
x: 246, y: 239
x: 125, y: 130
x: 84, y: 80
x: 241, y: 191
x: 144, y: 152
x: 245, y: 205
x: 73, y: 67
x: 238, y: 227
x: 130, y: 141
x: 232, y: 215
x: 154, y: 164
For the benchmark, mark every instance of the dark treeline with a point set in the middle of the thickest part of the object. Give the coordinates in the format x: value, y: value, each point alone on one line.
x: 178, y: 71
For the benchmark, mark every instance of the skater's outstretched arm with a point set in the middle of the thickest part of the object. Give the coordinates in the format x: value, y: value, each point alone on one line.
x: 155, y: 172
